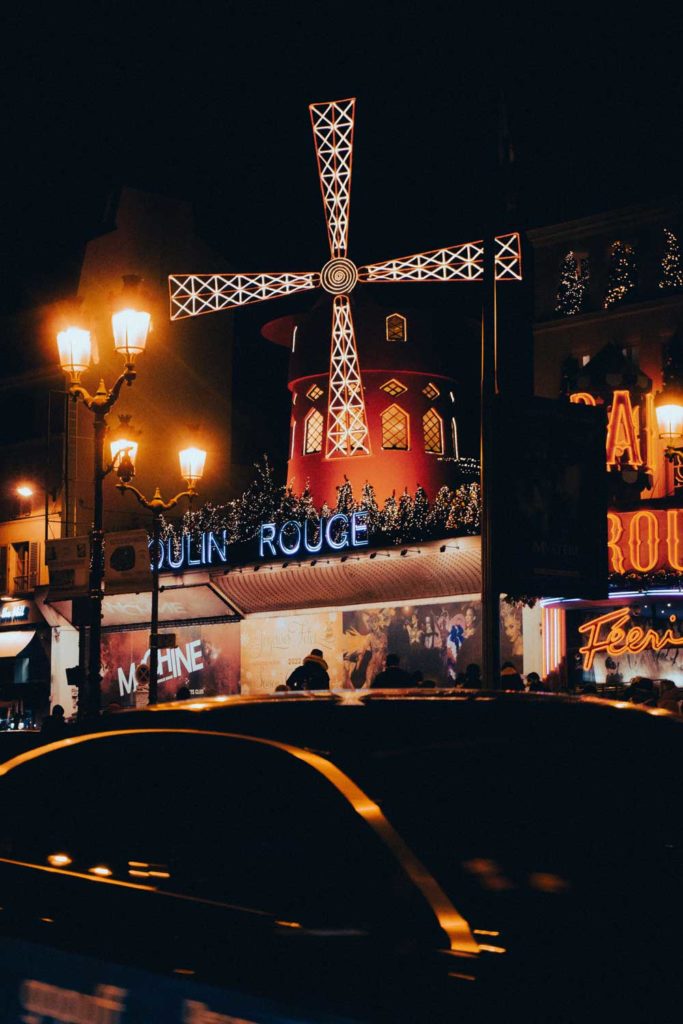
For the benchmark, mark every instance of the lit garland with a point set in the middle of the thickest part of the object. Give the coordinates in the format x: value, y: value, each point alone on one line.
x: 622, y: 277
x: 400, y: 520
x: 672, y: 265
x: 573, y: 286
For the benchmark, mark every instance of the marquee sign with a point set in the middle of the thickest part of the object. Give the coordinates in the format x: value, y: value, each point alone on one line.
x: 275, y: 540
x: 608, y: 634
x: 334, y: 534
x: 194, y: 551
x: 645, y: 540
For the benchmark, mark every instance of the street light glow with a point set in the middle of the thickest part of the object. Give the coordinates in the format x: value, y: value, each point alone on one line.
x: 121, y: 447
x: 74, y: 351
x: 24, y: 491
x: 130, y: 327
x: 192, y: 464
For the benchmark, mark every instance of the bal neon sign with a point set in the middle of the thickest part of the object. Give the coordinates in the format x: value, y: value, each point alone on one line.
x: 629, y: 431
x: 336, y: 533
x: 608, y: 634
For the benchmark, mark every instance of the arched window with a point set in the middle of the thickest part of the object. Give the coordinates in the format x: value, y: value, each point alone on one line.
x: 396, y: 327
x: 454, y: 433
x: 432, y: 425
x: 395, y: 428
x: 313, y: 432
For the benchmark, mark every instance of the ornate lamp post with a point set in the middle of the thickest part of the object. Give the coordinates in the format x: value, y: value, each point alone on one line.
x: 191, y: 469
x: 130, y: 328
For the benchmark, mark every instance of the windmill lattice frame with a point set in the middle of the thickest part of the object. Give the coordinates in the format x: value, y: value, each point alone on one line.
x: 347, y: 433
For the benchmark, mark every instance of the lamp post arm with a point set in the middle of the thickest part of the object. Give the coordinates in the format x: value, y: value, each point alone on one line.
x: 157, y: 503
x: 104, y: 398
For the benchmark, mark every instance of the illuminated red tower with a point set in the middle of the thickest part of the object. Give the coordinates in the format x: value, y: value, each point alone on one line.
x: 410, y: 399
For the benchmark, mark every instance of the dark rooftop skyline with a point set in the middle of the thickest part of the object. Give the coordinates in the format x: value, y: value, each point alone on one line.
x: 212, y: 107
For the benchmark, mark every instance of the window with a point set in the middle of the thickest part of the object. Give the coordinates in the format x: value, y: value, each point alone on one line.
x: 396, y: 327
x: 395, y: 428
x: 313, y: 432
x: 314, y: 392
x: 454, y: 434
x: 431, y: 391
x: 432, y: 426
x: 393, y: 387
x: 25, y: 566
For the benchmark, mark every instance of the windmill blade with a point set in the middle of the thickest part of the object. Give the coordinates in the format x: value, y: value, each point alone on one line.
x: 347, y: 423
x: 333, y: 136
x: 194, y: 294
x: 456, y: 263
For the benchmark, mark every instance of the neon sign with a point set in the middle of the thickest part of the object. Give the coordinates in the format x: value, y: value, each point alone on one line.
x: 336, y: 533
x: 13, y: 612
x: 204, y: 549
x: 607, y: 633
x: 629, y: 430
x: 645, y: 541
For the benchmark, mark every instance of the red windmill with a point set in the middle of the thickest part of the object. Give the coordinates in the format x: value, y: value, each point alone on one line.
x: 346, y: 429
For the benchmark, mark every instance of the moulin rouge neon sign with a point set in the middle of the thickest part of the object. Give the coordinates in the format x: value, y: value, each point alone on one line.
x: 608, y: 634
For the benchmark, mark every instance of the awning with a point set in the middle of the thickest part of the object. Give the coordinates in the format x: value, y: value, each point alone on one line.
x: 12, y: 642
x: 177, y: 603
x: 437, y: 569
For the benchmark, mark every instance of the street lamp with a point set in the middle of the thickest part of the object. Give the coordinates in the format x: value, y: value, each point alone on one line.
x: 192, y: 462
x: 130, y: 327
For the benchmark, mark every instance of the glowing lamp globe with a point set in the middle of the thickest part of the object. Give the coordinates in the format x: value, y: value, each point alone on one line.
x: 123, y: 455
x: 74, y: 351
x: 130, y: 327
x: 192, y: 464
x: 669, y: 411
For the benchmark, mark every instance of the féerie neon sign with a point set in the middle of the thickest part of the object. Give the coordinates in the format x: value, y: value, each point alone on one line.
x: 608, y: 634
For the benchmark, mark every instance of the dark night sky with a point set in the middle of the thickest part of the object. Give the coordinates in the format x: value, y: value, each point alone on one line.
x: 212, y: 107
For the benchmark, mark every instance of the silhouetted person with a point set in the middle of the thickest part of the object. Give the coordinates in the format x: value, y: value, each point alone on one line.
x: 54, y: 727
x: 510, y: 678
x: 183, y: 693
x: 392, y: 676
x: 534, y: 683
x: 473, y: 676
x: 311, y: 674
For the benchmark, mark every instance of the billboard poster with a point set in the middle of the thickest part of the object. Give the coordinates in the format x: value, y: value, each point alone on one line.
x: 273, y: 646
x: 206, y: 660
x: 438, y: 640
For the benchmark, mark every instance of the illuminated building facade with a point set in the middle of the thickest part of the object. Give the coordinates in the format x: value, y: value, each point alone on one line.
x: 609, y: 331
